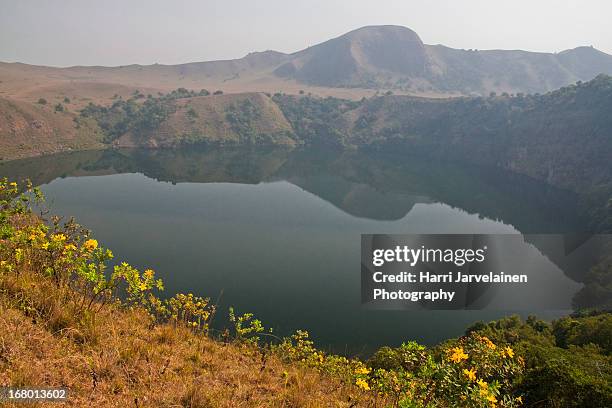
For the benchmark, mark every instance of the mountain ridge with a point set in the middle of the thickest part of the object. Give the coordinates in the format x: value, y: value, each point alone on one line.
x: 370, y: 58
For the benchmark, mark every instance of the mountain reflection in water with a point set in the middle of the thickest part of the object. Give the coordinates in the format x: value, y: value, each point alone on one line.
x: 278, y: 231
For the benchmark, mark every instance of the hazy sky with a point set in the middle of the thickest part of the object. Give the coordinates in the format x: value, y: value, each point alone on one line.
x: 118, y: 32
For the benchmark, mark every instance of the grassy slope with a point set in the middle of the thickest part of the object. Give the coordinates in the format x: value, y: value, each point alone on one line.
x: 31, y: 129
x: 122, y: 360
x: 210, y: 124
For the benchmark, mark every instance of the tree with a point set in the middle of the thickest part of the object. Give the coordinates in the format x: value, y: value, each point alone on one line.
x: 42, y: 101
x: 218, y: 92
x: 191, y: 113
x: 59, y: 107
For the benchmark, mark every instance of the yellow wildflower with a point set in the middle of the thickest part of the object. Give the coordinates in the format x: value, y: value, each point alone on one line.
x: 142, y: 286
x: 488, y: 343
x: 509, y: 352
x: 482, y: 384
x: 363, y: 370
x: 70, y: 247
x: 470, y: 374
x: 90, y: 244
x: 363, y: 384
x: 44, y: 245
x: 58, y: 237
x: 13, y: 184
x: 492, y: 400
x: 519, y: 399
x: 458, y: 355
x: 149, y: 274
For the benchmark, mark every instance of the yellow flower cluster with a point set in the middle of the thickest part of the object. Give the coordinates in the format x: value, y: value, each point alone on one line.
x: 363, y: 370
x: 458, y: 355
x: 90, y: 245
x: 488, y: 343
x: 57, y: 238
x: 363, y: 384
x: 470, y: 374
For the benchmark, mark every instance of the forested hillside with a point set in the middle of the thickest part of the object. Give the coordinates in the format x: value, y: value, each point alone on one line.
x: 563, y: 137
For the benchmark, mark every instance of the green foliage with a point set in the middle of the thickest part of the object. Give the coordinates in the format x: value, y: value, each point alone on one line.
x: 568, y: 361
x: 192, y: 114
x: 59, y: 108
x: 241, y: 117
x: 246, y: 327
x: 317, y: 121
x: 42, y: 101
x: 582, y: 331
x: 597, y: 291
x: 576, y: 377
x: 468, y: 372
x: 192, y: 311
x: 135, y: 116
x: 409, y: 356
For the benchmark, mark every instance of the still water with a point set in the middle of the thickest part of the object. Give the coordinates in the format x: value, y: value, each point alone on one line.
x: 277, y: 232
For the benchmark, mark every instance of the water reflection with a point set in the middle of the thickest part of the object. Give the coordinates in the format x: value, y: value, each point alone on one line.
x: 278, y: 231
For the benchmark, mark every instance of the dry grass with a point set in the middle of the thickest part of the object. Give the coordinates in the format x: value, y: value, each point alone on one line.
x: 121, y: 359
x: 29, y: 129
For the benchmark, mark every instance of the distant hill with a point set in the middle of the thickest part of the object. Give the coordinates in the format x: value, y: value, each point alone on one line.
x: 356, y: 64
x: 360, y: 58
x: 394, y: 57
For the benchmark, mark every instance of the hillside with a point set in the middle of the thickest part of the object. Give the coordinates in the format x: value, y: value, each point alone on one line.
x: 353, y: 65
x: 224, y: 119
x: 562, y: 137
x: 394, y: 57
x: 359, y: 58
x: 33, y: 129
